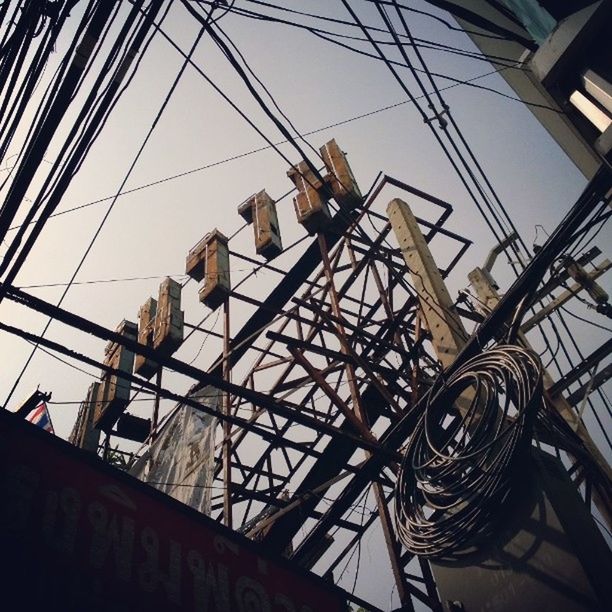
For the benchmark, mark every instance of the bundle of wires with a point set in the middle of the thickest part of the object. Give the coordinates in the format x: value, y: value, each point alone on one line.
x: 457, y: 468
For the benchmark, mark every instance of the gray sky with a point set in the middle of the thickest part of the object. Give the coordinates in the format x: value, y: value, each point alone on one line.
x: 317, y: 84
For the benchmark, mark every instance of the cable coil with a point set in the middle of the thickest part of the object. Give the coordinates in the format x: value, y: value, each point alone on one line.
x: 456, y: 470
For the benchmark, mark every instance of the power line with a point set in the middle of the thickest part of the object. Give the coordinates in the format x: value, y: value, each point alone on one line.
x: 102, y: 281
x: 67, y: 363
x: 421, y: 43
x: 330, y: 126
x: 425, y: 43
x: 91, y: 119
x: 56, y: 108
x: 584, y: 320
x: 112, y: 204
x: 336, y: 20
x: 445, y: 111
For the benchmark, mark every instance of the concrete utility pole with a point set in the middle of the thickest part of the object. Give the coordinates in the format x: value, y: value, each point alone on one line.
x: 437, y: 308
x: 448, y: 335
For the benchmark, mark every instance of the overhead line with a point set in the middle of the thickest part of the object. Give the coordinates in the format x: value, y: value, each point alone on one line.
x: 147, y: 24
x: 258, y: 149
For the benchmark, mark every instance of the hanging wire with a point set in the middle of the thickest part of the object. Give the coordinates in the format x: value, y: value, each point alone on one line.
x: 453, y: 479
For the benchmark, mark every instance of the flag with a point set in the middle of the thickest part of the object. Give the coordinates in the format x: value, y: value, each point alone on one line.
x: 40, y: 416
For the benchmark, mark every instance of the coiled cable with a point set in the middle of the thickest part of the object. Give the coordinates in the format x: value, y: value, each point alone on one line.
x: 457, y: 469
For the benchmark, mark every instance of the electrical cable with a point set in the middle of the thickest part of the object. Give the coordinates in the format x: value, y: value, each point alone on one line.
x: 226, y: 51
x: 65, y: 362
x: 102, y: 281
x: 452, y: 481
x: 84, y: 132
x: 423, y: 43
x: 253, y: 151
x: 37, y: 147
x: 425, y: 118
x: 581, y: 241
x: 242, y: 73
x: 446, y: 110
x: 473, y: 17
x: 112, y: 204
x: 335, y: 20
x: 579, y: 318
x: 29, y: 82
x: 465, y: 144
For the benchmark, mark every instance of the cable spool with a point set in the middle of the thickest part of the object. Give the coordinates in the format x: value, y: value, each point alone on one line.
x: 453, y: 479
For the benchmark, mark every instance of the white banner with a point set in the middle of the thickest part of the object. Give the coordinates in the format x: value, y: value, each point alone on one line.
x: 181, y: 460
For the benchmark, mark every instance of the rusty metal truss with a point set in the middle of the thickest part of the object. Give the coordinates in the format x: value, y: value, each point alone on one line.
x: 340, y: 340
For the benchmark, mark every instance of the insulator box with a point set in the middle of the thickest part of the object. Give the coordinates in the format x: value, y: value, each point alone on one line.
x: 260, y: 210
x: 146, y: 327
x: 114, y: 392
x: 339, y: 177
x: 310, y: 204
x: 209, y: 261
x: 168, y: 335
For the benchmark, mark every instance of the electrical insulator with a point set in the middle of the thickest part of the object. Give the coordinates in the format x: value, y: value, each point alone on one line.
x: 310, y: 204
x: 340, y: 176
x: 260, y: 210
x: 581, y: 276
x: 114, y: 392
x: 209, y: 261
x: 168, y: 335
x: 146, y: 327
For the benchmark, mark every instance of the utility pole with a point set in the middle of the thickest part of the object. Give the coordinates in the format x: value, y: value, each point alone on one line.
x: 449, y: 339
x: 448, y: 334
x: 488, y: 298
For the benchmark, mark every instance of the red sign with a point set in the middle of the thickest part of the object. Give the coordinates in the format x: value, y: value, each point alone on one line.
x: 77, y: 534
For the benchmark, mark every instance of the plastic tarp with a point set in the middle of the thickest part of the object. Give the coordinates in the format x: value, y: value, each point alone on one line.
x: 181, y: 460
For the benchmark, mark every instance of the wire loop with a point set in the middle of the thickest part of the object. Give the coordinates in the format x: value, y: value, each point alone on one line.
x: 458, y: 464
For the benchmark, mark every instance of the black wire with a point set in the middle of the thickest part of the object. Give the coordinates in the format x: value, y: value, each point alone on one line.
x: 471, y: 155
x: 112, y: 204
x: 30, y: 81
x: 468, y: 16
x: 61, y: 174
x: 426, y: 119
x: 335, y: 20
x: 574, y: 247
x: 65, y: 362
x: 463, y: 472
x: 252, y: 90
x: 446, y: 108
x: 443, y: 76
x: 77, y: 145
x: 252, y: 151
x: 245, y: 79
x: 44, y: 130
x: 267, y: 91
x: 101, y: 281
x: 424, y: 43
x: 579, y: 318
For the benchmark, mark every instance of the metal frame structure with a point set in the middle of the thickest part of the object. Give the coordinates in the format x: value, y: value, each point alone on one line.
x: 333, y: 363
x: 325, y: 381
x: 340, y: 339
